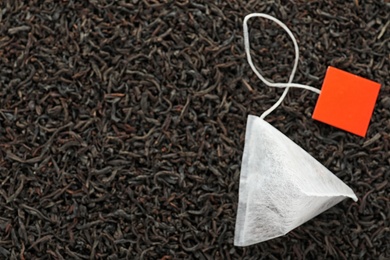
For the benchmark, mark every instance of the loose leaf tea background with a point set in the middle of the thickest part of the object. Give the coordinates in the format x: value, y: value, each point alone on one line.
x: 122, y: 126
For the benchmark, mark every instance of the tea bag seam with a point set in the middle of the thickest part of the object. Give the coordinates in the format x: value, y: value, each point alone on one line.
x: 245, y: 164
x: 325, y: 195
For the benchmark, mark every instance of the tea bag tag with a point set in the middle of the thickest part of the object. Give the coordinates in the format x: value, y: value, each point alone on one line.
x: 346, y: 101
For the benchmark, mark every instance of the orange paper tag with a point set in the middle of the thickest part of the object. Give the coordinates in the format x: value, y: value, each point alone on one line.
x: 346, y: 101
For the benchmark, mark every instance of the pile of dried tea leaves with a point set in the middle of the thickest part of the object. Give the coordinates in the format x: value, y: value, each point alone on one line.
x: 122, y: 126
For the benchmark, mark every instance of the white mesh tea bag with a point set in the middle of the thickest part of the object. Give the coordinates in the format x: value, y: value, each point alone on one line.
x: 281, y: 185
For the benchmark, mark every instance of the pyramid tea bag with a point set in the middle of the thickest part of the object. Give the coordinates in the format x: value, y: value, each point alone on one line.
x: 281, y: 185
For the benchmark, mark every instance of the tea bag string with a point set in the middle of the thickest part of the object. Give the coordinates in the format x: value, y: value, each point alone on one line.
x: 268, y: 83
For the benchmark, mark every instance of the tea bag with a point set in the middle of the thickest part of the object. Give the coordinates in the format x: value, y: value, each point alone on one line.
x: 281, y: 185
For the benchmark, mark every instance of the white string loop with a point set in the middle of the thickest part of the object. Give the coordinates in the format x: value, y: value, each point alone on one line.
x: 268, y: 83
